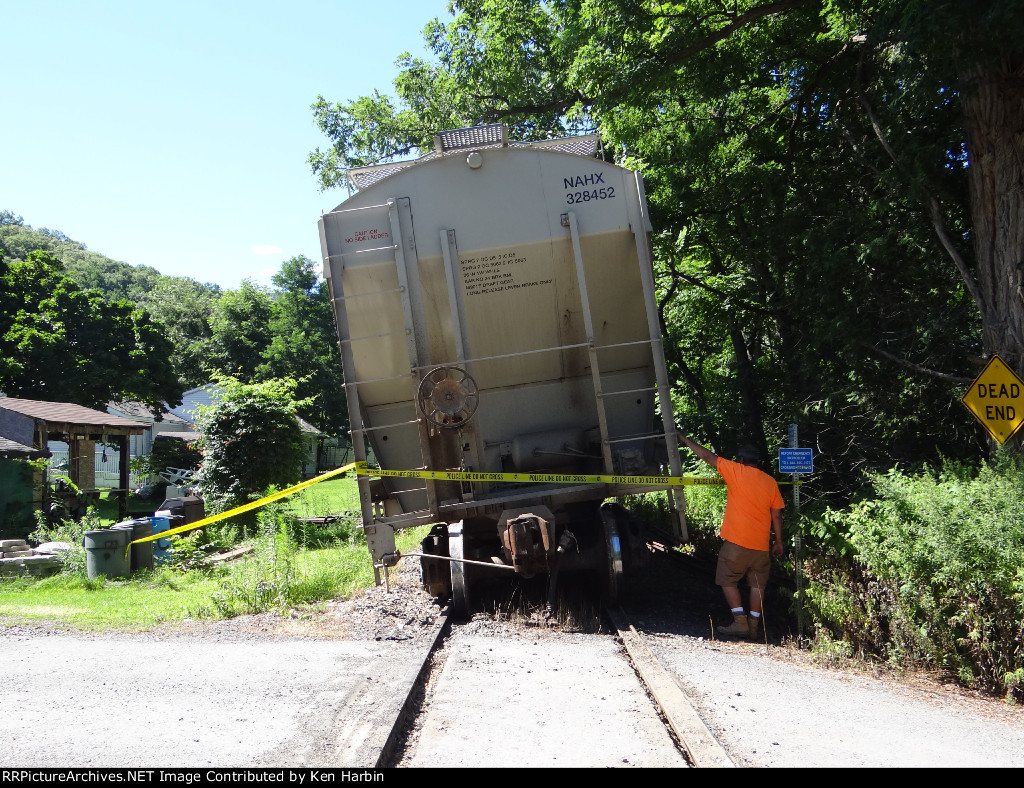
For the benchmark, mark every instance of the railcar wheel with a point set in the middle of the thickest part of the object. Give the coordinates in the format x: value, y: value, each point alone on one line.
x: 460, y: 580
x: 614, y: 566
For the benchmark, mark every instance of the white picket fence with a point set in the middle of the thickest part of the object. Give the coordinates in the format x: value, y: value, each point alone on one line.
x: 108, y: 471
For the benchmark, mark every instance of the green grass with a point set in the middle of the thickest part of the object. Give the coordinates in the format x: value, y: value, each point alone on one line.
x: 149, y: 599
x: 293, y: 567
x: 334, y: 496
x: 329, y: 497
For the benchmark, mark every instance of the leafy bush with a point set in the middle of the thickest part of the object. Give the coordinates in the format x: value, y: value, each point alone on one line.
x: 705, y: 506
x: 275, y: 575
x: 250, y: 440
x: 937, y: 576
x: 261, y: 581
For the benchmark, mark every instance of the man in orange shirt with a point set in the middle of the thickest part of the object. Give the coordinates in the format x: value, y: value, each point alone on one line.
x: 753, y: 509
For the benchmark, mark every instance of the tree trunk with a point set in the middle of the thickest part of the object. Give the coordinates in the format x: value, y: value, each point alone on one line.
x: 993, y: 101
x: 750, y: 400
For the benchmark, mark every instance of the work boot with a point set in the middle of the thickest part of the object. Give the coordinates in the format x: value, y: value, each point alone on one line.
x: 754, y: 628
x: 739, y: 628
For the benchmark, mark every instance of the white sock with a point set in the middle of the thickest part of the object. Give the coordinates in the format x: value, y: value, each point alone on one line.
x: 737, y: 611
x: 754, y: 615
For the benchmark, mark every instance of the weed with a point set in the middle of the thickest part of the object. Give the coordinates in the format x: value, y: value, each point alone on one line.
x: 70, y: 532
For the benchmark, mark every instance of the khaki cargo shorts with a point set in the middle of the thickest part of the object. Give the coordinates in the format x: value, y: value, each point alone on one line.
x: 735, y: 563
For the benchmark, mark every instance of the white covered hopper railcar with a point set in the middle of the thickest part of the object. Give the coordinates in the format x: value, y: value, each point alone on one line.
x: 496, y: 310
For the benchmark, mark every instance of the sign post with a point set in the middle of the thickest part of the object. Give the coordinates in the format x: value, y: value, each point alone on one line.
x: 996, y: 398
x: 796, y: 461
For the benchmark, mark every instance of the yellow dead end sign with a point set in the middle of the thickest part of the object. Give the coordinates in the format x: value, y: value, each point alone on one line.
x: 996, y: 398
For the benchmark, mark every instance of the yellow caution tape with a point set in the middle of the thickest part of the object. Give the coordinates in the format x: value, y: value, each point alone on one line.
x: 544, y: 478
x: 362, y: 469
x: 246, y: 507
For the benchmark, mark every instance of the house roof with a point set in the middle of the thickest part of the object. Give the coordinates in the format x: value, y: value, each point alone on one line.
x: 70, y: 418
x: 181, y: 435
x: 306, y: 427
x: 9, y: 448
x: 140, y: 410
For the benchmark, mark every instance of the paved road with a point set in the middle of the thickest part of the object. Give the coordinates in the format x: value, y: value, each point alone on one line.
x: 95, y: 701
x: 768, y: 712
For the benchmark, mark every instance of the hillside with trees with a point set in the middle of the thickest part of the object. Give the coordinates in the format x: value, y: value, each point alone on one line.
x: 78, y: 326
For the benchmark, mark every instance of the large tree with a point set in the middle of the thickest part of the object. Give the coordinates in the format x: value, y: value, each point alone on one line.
x: 185, y: 308
x: 822, y: 257
x: 304, y: 344
x: 61, y: 343
x: 240, y: 329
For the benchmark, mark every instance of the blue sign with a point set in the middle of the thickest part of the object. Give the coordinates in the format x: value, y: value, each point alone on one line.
x: 796, y: 461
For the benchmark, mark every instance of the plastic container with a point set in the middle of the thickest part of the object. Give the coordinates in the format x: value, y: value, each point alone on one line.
x: 142, y: 553
x: 106, y: 553
x: 141, y: 556
x: 161, y: 547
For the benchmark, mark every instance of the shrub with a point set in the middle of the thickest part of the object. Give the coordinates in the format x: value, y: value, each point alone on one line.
x: 276, y: 576
x: 705, y: 505
x: 937, y: 577
x: 250, y: 440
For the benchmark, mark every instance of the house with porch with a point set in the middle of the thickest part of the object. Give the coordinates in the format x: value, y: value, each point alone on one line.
x: 33, y: 424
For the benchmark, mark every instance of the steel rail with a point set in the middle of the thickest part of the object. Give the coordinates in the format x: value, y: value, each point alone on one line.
x: 682, y: 719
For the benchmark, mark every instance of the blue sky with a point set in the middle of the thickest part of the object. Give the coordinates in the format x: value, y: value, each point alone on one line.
x: 175, y: 135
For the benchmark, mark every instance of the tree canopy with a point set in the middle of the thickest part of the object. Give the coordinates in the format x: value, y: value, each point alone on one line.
x: 62, y: 343
x: 304, y: 344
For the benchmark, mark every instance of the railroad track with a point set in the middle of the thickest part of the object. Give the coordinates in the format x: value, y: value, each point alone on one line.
x: 482, y: 697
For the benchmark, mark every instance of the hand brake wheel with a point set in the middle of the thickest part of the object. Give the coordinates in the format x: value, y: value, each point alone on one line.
x: 447, y: 397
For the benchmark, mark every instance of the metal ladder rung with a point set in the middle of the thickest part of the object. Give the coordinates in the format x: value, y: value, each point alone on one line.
x: 628, y: 344
x: 645, y: 437
x: 385, y: 427
x: 354, y: 383
x: 403, y: 332
x: 409, y: 518
x: 370, y: 293
x: 521, y: 353
x: 355, y: 210
x: 626, y: 391
x: 342, y: 255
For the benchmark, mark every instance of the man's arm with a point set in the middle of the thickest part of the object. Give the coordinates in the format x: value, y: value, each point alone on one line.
x: 777, y: 527
x: 708, y: 456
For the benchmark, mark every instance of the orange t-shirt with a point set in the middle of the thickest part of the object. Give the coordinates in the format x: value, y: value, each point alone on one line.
x: 752, y: 496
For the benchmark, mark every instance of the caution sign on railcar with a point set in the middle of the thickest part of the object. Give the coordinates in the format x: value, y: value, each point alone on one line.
x: 996, y: 398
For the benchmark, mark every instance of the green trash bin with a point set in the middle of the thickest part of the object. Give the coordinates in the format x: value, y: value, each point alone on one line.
x: 141, y: 555
x: 106, y: 553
